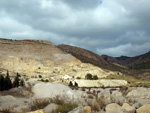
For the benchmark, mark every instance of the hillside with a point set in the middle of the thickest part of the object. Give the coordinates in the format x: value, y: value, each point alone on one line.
x: 89, y: 57
x: 37, y: 58
x: 122, y: 64
x: 32, y: 57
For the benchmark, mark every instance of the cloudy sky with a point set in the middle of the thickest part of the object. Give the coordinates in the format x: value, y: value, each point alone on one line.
x: 112, y: 27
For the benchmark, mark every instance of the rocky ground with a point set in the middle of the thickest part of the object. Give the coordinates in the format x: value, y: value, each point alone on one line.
x: 51, y: 97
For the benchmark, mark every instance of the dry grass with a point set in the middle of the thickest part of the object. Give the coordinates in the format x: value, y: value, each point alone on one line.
x: 90, y: 96
x: 6, y: 110
x: 98, y: 104
x: 40, y: 104
x: 59, y: 100
x: 132, y: 82
x: 18, y: 92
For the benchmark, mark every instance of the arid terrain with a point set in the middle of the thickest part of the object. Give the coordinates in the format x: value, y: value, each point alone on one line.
x: 69, y: 79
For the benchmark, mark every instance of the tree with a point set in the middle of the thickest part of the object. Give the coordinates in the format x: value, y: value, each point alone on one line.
x: 7, y: 82
x: 76, y: 84
x: 70, y: 83
x: 88, y: 76
x: 95, y: 77
x: 22, y: 82
x: 2, y: 87
x: 16, y: 80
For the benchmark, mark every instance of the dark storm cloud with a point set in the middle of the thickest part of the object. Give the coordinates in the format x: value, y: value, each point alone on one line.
x: 114, y: 27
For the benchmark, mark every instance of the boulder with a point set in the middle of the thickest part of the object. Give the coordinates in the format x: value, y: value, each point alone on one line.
x: 50, y: 90
x: 114, y: 108
x: 6, y: 99
x: 117, y: 97
x: 144, y: 109
x: 79, y: 109
x: 38, y: 111
x: 87, y: 109
x: 128, y: 108
x: 49, y: 108
x: 136, y: 105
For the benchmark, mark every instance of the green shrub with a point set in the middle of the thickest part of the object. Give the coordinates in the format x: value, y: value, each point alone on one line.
x: 95, y: 77
x: 89, y: 76
x: 78, y: 77
x: 40, y: 76
x: 65, y: 108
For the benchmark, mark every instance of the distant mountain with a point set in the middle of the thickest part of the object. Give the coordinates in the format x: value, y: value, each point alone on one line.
x: 137, y: 62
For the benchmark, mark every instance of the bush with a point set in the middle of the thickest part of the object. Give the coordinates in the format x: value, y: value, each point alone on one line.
x: 40, y: 76
x: 6, y: 110
x: 40, y: 104
x: 65, y: 108
x: 88, y: 76
x: 78, y: 77
x: 42, y: 80
x: 95, y: 77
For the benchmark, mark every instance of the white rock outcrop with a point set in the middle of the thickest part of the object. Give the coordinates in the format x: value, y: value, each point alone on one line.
x: 101, y: 83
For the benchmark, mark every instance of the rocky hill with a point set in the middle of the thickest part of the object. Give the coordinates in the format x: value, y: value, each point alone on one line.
x: 86, y: 56
x: 35, y: 58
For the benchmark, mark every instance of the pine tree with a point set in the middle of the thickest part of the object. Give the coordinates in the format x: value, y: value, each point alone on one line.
x: 76, y: 84
x: 2, y: 87
x: 7, y: 82
x: 70, y: 83
x: 22, y: 82
x: 16, y: 81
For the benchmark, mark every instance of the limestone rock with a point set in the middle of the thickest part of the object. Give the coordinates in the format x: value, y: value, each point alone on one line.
x: 114, y: 108
x: 38, y: 111
x: 79, y: 109
x: 144, y: 109
x: 50, y: 108
x: 50, y: 90
x: 101, y: 83
x: 128, y: 108
x: 118, y: 97
x: 87, y: 109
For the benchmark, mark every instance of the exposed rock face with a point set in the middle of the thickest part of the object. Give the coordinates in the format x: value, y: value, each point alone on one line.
x: 32, y: 57
x: 86, y: 56
x: 36, y: 57
x: 101, y: 83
